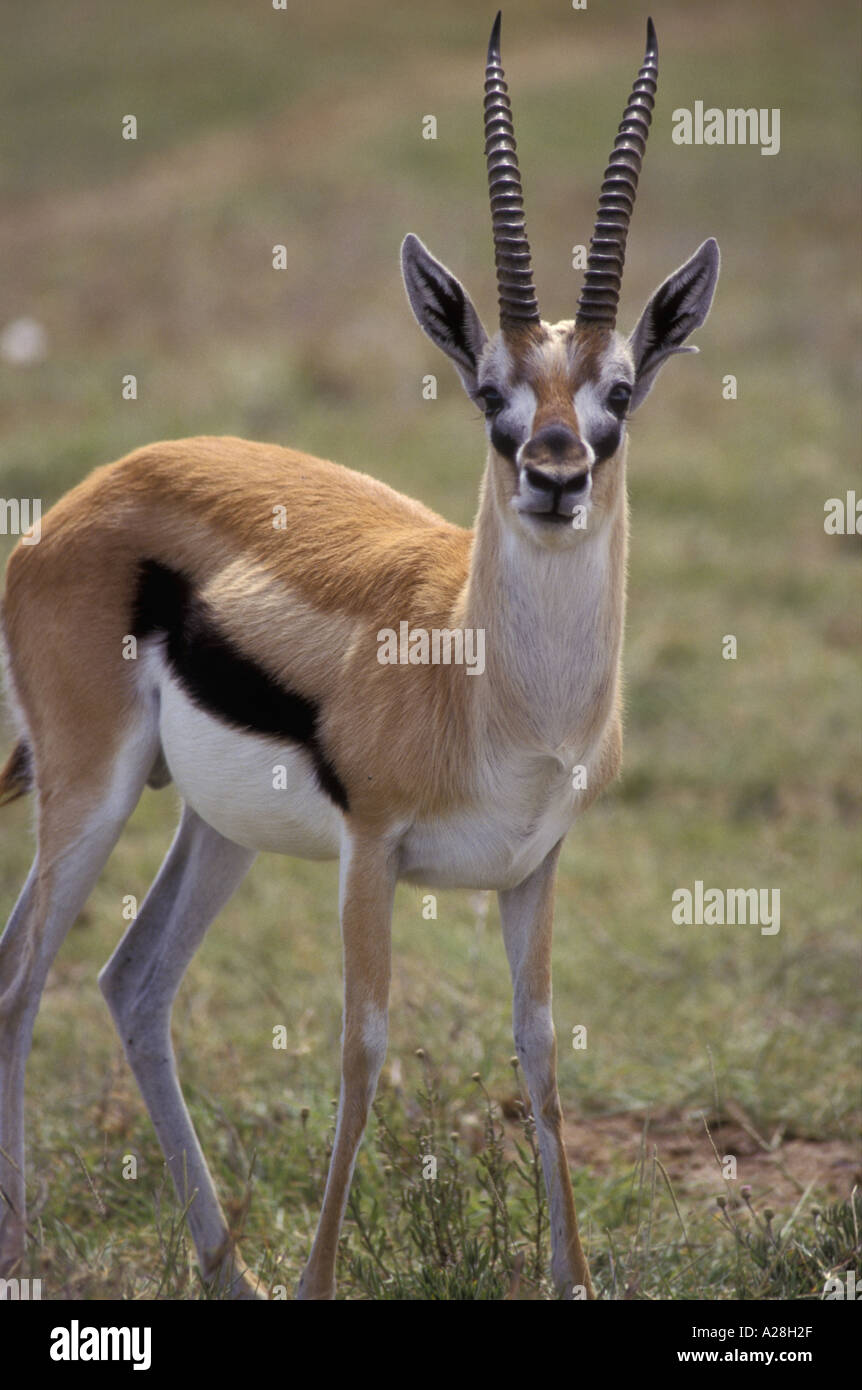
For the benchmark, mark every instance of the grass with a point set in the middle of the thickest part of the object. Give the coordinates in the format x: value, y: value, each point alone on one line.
x: 155, y: 257
x: 471, y: 1225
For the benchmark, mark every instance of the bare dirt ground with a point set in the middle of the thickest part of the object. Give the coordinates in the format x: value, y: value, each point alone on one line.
x: 779, y: 1168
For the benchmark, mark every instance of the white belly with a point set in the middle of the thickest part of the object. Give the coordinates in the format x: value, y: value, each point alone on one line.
x: 258, y: 792
x: 263, y: 793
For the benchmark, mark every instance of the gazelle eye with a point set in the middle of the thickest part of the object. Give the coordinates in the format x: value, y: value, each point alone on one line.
x: 618, y: 398
x: 490, y: 399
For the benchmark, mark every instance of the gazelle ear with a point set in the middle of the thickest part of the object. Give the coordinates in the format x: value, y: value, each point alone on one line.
x: 678, y: 307
x: 443, y: 309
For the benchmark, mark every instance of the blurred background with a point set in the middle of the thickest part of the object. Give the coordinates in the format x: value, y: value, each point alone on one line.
x: 258, y: 127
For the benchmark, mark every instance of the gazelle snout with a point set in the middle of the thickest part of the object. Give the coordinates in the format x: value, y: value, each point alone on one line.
x: 555, y: 472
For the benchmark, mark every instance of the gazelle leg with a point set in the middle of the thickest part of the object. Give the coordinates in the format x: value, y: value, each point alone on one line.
x: 140, y: 983
x: 527, y: 918
x: 78, y: 829
x: 367, y: 890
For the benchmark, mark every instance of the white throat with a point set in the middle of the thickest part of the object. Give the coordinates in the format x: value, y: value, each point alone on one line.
x: 554, y: 622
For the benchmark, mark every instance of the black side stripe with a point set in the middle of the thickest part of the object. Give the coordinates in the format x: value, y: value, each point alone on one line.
x: 217, y: 677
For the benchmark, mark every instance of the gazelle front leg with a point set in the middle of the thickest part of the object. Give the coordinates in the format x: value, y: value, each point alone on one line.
x: 368, y: 875
x: 527, y: 917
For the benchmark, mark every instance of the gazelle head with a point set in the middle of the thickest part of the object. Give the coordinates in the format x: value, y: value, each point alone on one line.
x: 556, y: 397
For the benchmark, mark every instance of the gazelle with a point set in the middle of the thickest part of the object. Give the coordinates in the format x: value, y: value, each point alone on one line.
x: 257, y: 647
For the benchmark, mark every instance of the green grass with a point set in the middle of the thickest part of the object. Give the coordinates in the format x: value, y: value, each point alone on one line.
x: 154, y: 258
x: 473, y: 1226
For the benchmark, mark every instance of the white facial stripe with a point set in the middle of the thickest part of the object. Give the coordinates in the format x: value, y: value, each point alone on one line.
x: 516, y: 421
x: 596, y: 421
x: 517, y: 418
x: 592, y: 416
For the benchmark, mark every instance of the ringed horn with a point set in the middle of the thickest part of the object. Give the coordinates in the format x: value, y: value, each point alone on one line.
x: 597, y: 306
x: 517, y: 296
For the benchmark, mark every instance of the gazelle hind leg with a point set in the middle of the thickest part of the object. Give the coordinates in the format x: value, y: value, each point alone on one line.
x: 140, y: 983
x: 78, y: 828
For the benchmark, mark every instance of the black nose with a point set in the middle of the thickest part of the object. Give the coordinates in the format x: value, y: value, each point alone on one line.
x: 561, y: 486
x: 574, y: 486
x: 545, y: 482
x: 541, y: 481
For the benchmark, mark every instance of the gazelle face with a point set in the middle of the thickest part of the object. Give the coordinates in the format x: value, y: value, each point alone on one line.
x: 556, y: 398
x: 555, y: 402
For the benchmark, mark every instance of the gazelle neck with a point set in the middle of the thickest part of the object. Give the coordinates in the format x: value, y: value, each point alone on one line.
x: 553, y: 621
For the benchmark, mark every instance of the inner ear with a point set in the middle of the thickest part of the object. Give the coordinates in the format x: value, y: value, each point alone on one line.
x: 678, y: 307
x: 443, y: 309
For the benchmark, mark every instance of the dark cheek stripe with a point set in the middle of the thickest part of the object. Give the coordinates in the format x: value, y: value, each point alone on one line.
x: 607, y: 442
x: 505, y: 443
x: 218, y: 678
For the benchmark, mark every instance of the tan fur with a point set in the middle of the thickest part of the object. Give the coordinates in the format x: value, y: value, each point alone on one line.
x: 354, y: 552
